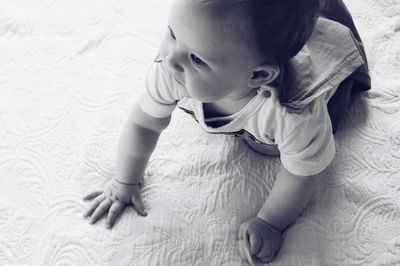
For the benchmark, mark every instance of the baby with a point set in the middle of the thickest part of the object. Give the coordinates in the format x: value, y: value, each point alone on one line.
x: 272, y: 72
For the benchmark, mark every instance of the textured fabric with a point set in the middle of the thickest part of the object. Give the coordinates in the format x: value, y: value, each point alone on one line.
x: 69, y: 73
x: 337, y: 11
x: 330, y: 56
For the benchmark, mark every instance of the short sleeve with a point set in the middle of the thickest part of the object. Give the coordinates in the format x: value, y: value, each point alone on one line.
x: 159, y: 98
x: 310, y: 147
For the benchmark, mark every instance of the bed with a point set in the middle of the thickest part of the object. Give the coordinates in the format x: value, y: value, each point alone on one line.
x: 69, y: 74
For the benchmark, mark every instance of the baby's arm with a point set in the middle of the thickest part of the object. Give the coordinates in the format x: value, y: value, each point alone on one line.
x: 287, y: 199
x: 261, y: 236
x: 137, y: 142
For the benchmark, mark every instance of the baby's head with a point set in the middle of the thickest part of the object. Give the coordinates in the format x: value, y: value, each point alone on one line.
x: 223, y: 49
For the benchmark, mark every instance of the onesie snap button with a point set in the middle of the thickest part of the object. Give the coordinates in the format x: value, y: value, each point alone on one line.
x: 266, y: 94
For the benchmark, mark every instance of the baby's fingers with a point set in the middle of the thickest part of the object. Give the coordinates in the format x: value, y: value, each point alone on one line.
x: 265, y: 254
x: 255, y: 243
x: 99, y: 199
x: 92, y: 195
x: 138, y: 204
x: 103, y: 207
x: 115, y: 210
x: 242, y: 235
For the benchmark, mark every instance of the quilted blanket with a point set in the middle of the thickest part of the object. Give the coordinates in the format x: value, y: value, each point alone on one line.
x: 70, y: 71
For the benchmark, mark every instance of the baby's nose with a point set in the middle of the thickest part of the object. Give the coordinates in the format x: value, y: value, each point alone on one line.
x: 173, y: 60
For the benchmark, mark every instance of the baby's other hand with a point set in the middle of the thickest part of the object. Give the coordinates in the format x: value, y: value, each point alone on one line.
x: 113, y: 199
x: 259, y: 240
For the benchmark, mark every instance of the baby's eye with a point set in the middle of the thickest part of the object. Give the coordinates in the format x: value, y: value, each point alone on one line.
x: 171, y: 33
x: 197, y: 60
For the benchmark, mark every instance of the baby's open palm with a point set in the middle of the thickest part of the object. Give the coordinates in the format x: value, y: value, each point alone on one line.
x: 113, y: 200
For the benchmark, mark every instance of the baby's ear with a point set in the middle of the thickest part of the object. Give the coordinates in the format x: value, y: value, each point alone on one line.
x: 263, y: 74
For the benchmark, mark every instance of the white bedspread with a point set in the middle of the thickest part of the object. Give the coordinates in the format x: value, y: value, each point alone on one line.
x: 70, y: 71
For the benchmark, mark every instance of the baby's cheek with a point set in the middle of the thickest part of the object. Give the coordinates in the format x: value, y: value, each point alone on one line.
x: 205, y: 89
x: 195, y: 90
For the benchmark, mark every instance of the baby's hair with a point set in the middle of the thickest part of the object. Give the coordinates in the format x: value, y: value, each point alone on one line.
x: 280, y: 27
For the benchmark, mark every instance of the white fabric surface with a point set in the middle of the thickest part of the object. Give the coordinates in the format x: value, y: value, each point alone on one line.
x: 69, y: 73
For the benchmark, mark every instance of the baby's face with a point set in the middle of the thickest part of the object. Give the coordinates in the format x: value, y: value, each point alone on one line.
x: 206, y: 53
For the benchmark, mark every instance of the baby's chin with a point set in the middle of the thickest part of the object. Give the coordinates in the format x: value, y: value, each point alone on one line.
x: 203, y: 98
x: 184, y: 92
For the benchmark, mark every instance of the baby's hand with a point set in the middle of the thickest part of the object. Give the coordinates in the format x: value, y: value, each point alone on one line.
x: 114, y: 199
x: 258, y: 241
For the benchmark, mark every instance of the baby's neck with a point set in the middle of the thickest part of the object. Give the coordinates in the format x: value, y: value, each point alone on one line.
x: 226, y: 106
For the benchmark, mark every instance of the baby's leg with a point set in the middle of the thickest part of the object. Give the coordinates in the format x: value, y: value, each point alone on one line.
x: 337, y: 105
